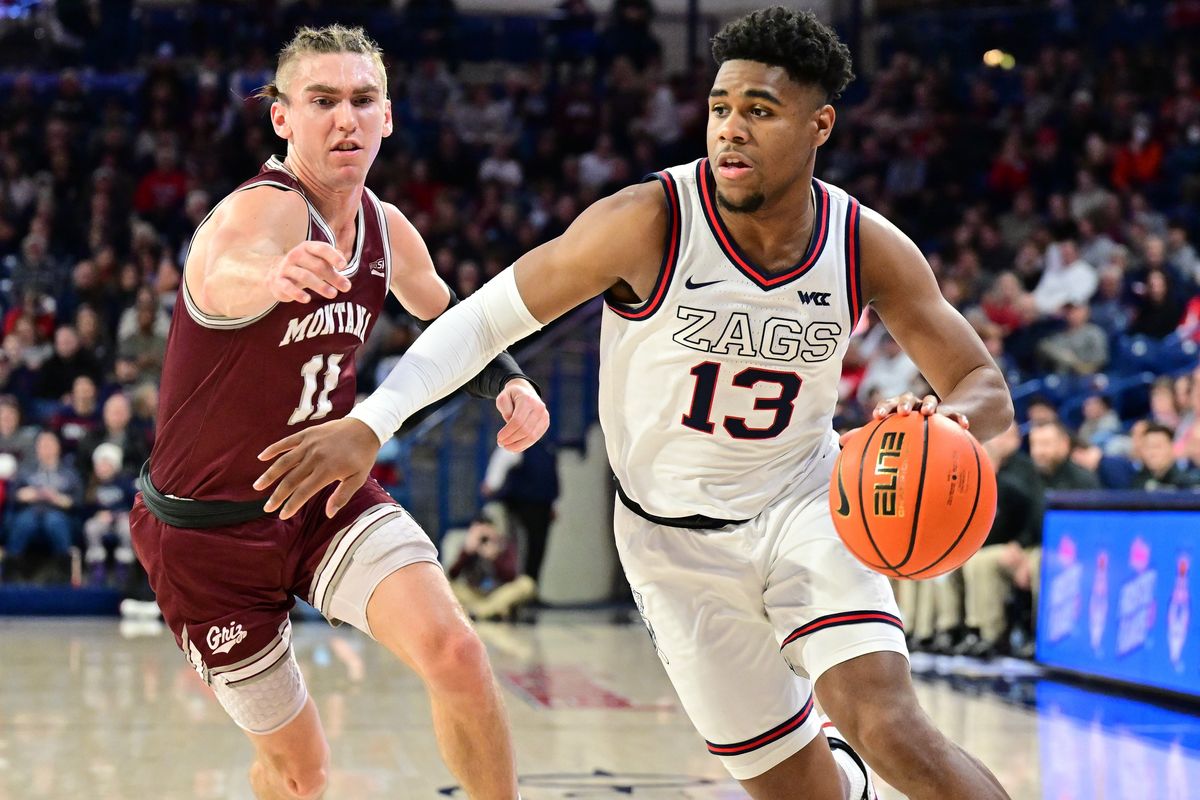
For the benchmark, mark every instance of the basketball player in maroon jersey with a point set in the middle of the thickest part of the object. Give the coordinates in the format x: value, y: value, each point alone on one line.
x: 283, y: 283
x: 740, y: 266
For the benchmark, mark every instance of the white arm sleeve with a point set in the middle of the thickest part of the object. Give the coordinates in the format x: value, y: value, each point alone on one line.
x: 450, y: 352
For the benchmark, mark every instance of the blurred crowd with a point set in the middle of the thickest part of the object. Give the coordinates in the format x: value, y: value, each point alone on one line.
x: 1058, y: 203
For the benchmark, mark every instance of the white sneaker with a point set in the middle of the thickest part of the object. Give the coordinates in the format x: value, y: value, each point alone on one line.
x: 861, y: 785
x: 136, y: 609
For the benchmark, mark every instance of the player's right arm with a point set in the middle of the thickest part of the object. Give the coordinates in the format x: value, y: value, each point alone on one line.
x: 618, y: 241
x: 252, y: 254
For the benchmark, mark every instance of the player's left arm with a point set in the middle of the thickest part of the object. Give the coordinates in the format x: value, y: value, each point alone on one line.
x: 423, y: 293
x: 899, y: 283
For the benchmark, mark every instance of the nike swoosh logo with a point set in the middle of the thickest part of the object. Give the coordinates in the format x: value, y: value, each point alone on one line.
x: 844, y: 508
x: 689, y: 284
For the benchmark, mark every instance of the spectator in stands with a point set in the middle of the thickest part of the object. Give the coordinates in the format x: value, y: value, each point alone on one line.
x: 106, y: 504
x: 160, y: 194
x: 1163, y: 410
x: 1191, y: 454
x: 1100, y: 422
x: 1050, y: 450
x: 69, y: 361
x: 17, y: 376
x: 138, y: 296
x: 145, y: 410
x: 990, y: 574
x: 1066, y: 278
x: 1189, y: 326
x: 890, y: 373
x: 1113, y: 471
x: 1007, y: 304
x: 1139, y: 161
x: 1019, y: 223
x: 932, y: 611
x: 484, y: 577
x: 45, y: 493
x: 1160, y: 469
x: 1189, y: 387
x: 1095, y: 246
x: 117, y: 415
x: 16, y: 440
x: 145, y: 347
x: 94, y: 338
x: 1182, y: 254
x: 79, y: 416
x: 1108, y: 308
x: 629, y: 34
x: 1081, y: 349
x: 526, y: 486
x: 1157, y: 313
x: 1041, y: 410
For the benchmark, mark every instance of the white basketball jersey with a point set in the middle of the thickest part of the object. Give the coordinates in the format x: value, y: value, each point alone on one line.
x: 717, y: 391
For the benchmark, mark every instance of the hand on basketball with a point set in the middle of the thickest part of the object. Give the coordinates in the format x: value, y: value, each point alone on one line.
x: 525, y: 414
x: 342, y: 452
x: 308, y: 267
x: 905, y: 404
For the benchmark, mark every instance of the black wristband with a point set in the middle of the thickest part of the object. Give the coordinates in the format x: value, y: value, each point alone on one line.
x: 492, y: 378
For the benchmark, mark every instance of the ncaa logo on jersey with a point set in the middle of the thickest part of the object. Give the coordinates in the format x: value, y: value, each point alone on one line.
x: 378, y: 268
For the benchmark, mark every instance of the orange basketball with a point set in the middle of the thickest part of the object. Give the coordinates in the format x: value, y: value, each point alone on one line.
x: 913, y: 496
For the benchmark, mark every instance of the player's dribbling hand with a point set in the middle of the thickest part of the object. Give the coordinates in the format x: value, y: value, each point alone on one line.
x: 308, y: 267
x: 904, y: 405
x: 524, y: 413
x: 342, y: 452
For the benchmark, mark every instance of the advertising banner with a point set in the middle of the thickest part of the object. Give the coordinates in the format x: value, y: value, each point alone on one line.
x: 1116, y: 595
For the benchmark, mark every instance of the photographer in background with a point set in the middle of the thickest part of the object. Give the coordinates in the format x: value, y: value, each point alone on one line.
x: 485, y: 577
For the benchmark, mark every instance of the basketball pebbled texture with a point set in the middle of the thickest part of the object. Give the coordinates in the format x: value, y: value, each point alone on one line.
x: 913, y: 496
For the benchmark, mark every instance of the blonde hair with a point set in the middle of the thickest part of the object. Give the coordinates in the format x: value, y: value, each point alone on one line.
x: 317, y: 41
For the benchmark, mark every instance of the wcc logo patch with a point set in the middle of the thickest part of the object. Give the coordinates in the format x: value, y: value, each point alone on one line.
x: 814, y: 298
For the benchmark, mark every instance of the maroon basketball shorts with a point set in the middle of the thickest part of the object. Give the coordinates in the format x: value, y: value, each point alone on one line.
x: 226, y: 592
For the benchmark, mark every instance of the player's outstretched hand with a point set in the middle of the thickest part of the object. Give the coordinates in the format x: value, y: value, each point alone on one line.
x: 308, y: 267
x: 525, y: 414
x: 904, y: 405
x: 342, y: 452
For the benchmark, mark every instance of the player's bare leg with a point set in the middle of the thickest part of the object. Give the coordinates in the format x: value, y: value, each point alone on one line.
x: 293, y: 762
x: 872, y: 701
x: 812, y: 768
x: 414, y: 614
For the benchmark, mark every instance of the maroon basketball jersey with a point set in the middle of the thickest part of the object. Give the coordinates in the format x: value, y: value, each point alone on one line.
x: 230, y: 387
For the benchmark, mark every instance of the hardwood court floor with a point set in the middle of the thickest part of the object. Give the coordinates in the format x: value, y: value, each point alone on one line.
x: 86, y: 712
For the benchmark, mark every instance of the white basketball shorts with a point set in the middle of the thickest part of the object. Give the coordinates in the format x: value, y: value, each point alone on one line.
x: 746, y: 619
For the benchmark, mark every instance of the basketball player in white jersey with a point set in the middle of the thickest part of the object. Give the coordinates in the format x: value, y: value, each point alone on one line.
x: 732, y: 286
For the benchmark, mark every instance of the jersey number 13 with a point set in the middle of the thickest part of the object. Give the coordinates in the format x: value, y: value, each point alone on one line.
x: 699, y: 417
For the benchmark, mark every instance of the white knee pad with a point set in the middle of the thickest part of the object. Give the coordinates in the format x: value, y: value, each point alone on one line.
x: 266, y: 702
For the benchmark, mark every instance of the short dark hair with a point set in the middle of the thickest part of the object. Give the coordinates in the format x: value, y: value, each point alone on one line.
x: 796, y: 40
x: 1058, y: 425
x: 1157, y: 427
